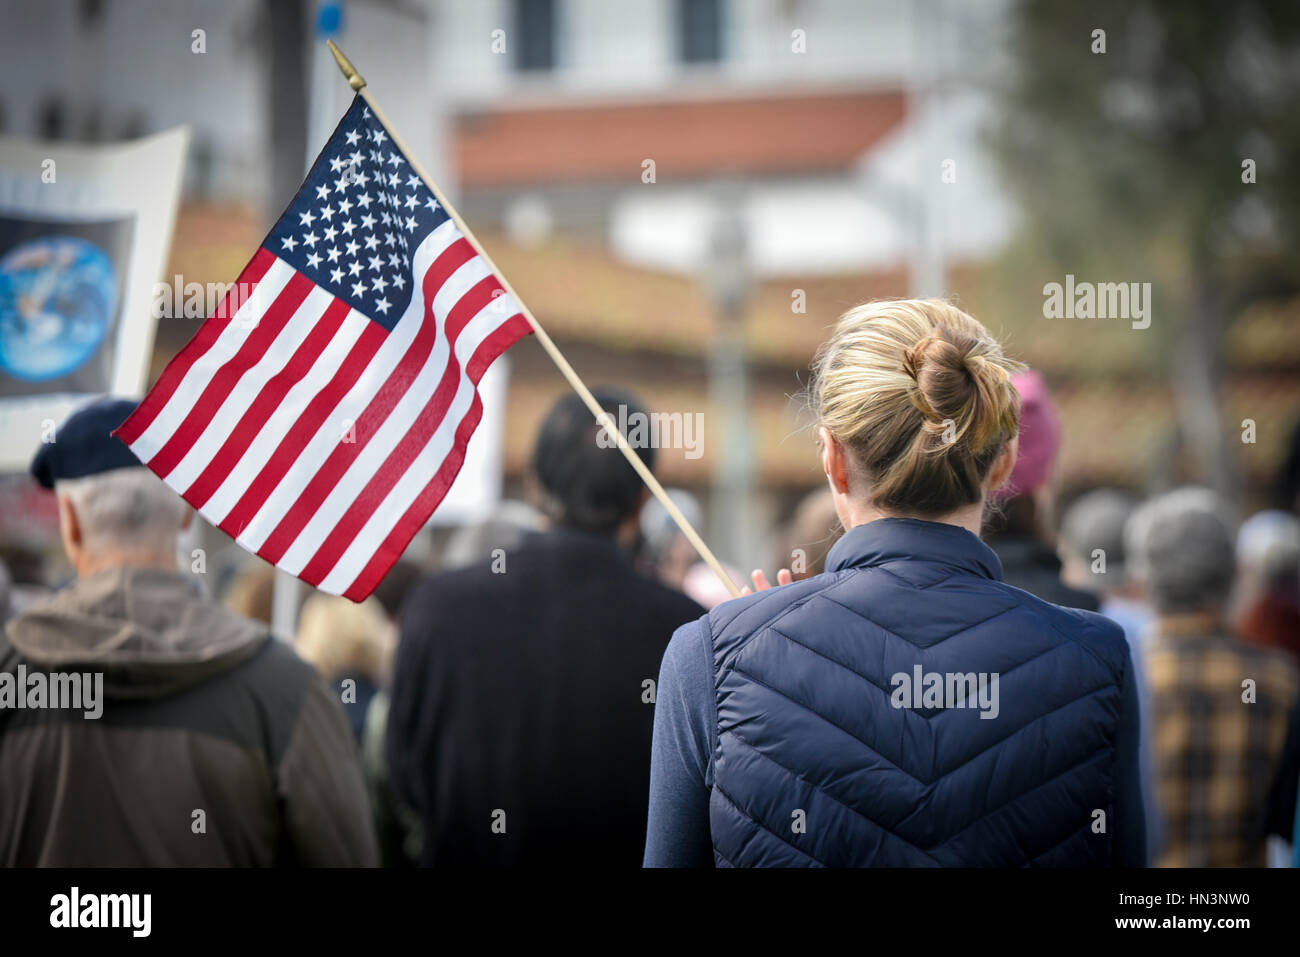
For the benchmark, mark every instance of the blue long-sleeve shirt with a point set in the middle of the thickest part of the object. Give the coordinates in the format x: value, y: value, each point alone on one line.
x: 685, y: 736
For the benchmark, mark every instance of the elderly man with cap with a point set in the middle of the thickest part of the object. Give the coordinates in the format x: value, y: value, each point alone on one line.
x: 214, y: 744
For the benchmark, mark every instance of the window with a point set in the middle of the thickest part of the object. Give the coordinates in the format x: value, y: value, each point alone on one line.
x: 699, y: 30
x: 533, y: 36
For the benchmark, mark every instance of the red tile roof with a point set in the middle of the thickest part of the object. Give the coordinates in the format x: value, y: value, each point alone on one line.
x: 809, y: 133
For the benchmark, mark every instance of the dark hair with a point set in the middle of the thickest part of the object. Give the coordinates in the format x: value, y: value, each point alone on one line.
x: 584, y: 480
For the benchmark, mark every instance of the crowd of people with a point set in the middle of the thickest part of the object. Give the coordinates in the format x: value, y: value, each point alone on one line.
x: 955, y: 667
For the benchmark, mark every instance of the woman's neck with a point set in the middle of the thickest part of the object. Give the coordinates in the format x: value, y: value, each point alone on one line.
x: 853, y: 513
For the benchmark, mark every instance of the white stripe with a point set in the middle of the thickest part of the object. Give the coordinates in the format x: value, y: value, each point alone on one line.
x: 376, y: 375
x: 389, y: 434
x: 422, y: 469
x: 283, y: 419
x: 294, y: 404
x: 198, y: 375
x: 250, y: 384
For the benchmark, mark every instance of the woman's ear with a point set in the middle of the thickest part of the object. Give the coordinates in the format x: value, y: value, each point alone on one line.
x: 1003, y: 463
x: 834, y: 461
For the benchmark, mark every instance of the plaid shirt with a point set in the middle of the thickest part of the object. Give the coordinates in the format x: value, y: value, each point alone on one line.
x: 1214, y: 754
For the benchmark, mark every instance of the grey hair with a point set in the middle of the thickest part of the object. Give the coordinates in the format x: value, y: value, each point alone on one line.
x: 1095, y: 521
x: 127, y: 509
x: 1181, y: 546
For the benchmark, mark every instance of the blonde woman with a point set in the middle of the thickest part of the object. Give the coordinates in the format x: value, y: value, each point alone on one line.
x: 906, y: 707
x: 351, y: 645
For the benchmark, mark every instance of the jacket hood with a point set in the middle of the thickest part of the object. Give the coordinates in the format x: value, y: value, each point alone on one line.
x: 150, y: 632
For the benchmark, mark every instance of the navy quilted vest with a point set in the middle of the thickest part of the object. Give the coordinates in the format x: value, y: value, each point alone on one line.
x: 815, y: 765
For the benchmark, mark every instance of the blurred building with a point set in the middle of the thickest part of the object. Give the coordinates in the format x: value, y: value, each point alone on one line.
x: 844, y: 138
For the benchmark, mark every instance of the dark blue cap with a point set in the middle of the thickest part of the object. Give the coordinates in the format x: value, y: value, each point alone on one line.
x: 83, y: 446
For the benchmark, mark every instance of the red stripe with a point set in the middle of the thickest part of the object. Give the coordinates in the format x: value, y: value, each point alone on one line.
x: 376, y: 411
x: 305, y: 426
x: 413, y: 519
x: 264, y: 406
x: 416, y: 437
x: 145, y: 413
x: 224, y: 380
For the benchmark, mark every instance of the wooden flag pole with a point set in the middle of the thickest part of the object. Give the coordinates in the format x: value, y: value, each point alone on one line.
x: 357, y: 83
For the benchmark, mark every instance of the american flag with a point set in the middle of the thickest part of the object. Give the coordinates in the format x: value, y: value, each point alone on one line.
x: 322, y: 413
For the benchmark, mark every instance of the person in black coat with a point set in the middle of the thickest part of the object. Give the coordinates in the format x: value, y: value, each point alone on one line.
x: 523, y: 693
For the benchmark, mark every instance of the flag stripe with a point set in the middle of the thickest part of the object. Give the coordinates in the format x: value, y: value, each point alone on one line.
x: 271, y: 397
x: 417, y: 435
x: 170, y: 380
x: 464, y: 315
x: 303, y: 439
x: 326, y: 477
x: 245, y: 323
x: 413, y: 519
x: 318, y: 410
x: 231, y: 374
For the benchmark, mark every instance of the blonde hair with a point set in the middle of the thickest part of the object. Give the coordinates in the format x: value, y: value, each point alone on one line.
x: 921, y: 395
x: 340, y: 637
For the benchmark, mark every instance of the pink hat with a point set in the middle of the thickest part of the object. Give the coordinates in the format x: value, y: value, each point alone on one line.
x: 1040, y: 436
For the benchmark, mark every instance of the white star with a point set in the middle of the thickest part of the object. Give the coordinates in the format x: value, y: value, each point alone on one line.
x: 365, y: 111
x: 352, y: 248
x: 367, y: 221
x: 356, y: 157
x: 388, y: 239
x: 348, y: 226
x: 380, y: 136
x: 330, y: 233
x: 358, y: 289
x: 327, y: 213
x: 393, y: 261
x: 340, y: 184
x: 399, y: 281
x: 430, y: 203
x: 364, y: 201
x: 307, y: 218
x: 314, y: 261
x: 375, y: 264
x: 322, y: 191
x: 392, y: 179
x: 345, y: 205
x: 332, y: 254
x: 410, y: 224
x: 310, y: 240
x: 411, y: 202
x: 354, y: 268
x: 413, y: 181
x: 371, y: 242
x: 336, y: 276
x: 378, y: 283
x: 387, y: 220
x: 382, y: 306
x: 360, y: 179
x: 336, y: 164
x: 353, y: 136
x: 289, y: 243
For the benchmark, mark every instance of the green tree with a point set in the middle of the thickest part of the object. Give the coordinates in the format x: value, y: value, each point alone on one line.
x: 1132, y: 164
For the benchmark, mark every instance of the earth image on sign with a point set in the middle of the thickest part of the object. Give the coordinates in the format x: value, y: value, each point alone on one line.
x: 56, y: 305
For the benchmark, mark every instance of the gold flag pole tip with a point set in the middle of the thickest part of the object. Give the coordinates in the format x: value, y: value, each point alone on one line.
x: 355, y: 80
